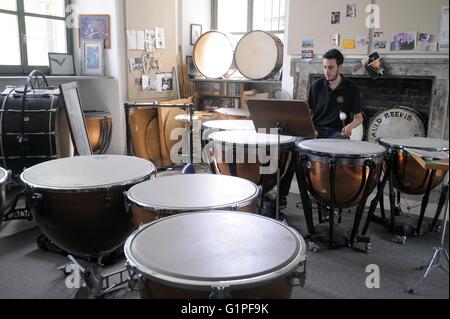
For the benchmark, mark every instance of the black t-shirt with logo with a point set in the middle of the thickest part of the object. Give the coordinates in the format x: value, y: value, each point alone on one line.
x: 326, y: 104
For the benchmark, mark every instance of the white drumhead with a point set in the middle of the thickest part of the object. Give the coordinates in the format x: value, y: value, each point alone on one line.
x: 424, y: 143
x: 87, y: 172
x: 193, y: 192
x: 233, y: 112
x: 184, y: 118
x: 258, y: 54
x: 206, y: 248
x: 249, y: 138
x: 342, y: 148
x: 214, y: 54
x: 230, y: 125
x: 395, y: 122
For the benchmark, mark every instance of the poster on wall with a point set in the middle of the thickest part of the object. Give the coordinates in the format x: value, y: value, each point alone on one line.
x: 403, y: 41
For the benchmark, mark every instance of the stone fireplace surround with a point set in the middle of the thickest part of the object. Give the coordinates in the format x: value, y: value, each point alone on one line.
x: 423, y: 85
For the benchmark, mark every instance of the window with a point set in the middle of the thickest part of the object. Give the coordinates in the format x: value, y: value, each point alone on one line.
x: 241, y: 16
x: 30, y: 29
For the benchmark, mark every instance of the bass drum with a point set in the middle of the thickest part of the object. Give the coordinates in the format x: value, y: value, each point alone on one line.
x: 259, y: 55
x: 214, y: 54
x: 396, y: 122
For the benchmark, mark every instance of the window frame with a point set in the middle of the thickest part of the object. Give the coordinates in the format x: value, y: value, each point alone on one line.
x: 24, y: 68
x: 215, y: 18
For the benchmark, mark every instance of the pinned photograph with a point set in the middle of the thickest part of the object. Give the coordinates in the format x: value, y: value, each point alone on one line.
x: 403, y: 41
x: 377, y: 44
x: 335, y: 17
x: 362, y: 40
x: 424, y: 37
x: 430, y: 46
x: 351, y: 10
x: 307, y: 43
x: 164, y: 82
x: 334, y: 40
x: 160, y: 38
x: 136, y: 65
x: 307, y: 55
x: 378, y: 35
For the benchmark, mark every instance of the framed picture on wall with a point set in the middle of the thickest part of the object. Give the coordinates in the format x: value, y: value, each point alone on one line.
x: 61, y: 64
x: 196, y: 32
x: 92, y: 57
x: 95, y: 27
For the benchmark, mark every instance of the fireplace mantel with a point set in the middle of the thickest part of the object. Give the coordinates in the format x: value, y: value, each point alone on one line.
x: 435, y: 69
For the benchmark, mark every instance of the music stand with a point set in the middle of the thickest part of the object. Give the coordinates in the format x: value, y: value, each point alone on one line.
x: 289, y: 117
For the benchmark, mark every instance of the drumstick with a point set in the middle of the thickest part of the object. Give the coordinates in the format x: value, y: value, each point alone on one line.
x: 343, y: 117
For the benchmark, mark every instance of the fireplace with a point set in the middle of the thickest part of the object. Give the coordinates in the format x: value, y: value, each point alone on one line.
x: 420, y: 84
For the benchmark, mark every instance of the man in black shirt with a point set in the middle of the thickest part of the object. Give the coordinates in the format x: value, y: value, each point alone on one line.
x: 334, y: 100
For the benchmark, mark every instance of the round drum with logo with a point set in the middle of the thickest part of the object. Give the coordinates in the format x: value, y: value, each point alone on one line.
x: 408, y: 176
x: 176, y: 194
x: 78, y: 202
x: 259, y: 55
x: 214, y: 54
x: 396, y: 122
x: 217, y: 255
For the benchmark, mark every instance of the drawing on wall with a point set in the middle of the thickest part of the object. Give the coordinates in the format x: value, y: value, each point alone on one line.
x: 335, y: 17
x: 351, y: 10
x: 95, y: 27
x: 403, y: 41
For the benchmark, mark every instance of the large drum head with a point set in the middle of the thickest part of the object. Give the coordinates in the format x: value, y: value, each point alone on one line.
x: 396, y: 122
x: 214, y: 54
x: 87, y: 172
x: 250, y: 138
x: 423, y: 143
x: 342, y: 148
x: 259, y: 55
x: 230, y: 125
x: 193, y: 193
x: 232, y: 113
x: 207, y: 248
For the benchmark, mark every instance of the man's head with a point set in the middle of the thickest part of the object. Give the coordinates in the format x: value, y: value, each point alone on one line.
x: 332, y: 64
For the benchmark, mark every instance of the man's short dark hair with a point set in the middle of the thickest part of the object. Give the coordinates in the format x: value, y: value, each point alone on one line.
x: 334, y: 54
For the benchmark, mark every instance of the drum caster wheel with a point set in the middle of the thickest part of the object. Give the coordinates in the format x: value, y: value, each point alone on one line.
x: 313, y: 246
x: 368, y: 248
x: 401, y: 240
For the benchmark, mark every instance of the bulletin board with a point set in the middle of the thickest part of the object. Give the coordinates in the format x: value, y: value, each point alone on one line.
x: 148, y: 15
x: 310, y: 19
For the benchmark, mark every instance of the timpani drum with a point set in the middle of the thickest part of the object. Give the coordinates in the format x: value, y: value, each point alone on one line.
x: 177, y: 194
x: 214, y: 54
x: 78, y: 202
x: 396, y: 122
x: 259, y: 55
x: 408, y: 176
x: 350, y: 158
x: 210, y: 127
x: 99, y: 129
x: 231, y: 114
x: 251, y: 155
x: 215, y: 255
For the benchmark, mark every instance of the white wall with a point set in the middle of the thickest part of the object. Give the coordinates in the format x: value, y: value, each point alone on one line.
x: 107, y: 94
x: 192, y: 12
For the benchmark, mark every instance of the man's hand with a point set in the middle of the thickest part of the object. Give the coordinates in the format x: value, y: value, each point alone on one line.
x: 346, y: 132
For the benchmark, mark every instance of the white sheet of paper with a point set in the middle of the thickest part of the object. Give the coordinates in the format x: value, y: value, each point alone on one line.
x: 140, y: 35
x: 131, y: 40
x: 443, y: 33
x: 160, y: 38
x: 145, y: 82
